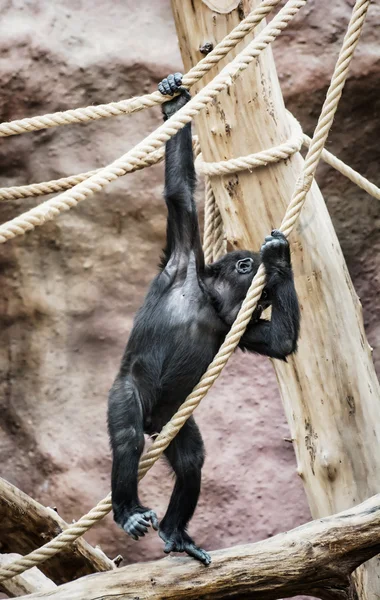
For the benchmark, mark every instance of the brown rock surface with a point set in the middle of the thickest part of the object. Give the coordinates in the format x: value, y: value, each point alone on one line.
x: 69, y: 289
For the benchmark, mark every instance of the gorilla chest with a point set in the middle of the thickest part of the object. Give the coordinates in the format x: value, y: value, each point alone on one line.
x: 187, y: 307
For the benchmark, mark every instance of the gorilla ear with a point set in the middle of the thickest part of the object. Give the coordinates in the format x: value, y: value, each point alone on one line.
x: 244, y: 266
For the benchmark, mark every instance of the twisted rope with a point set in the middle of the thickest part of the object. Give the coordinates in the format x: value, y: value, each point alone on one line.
x: 51, y: 208
x: 214, y: 241
x: 113, y: 109
x: 208, y: 230
x: 220, y: 242
x: 347, y: 171
x: 258, y: 159
x: 158, y: 138
x: 170, y: 430
x: 326, y: 118
x: 65, y: 183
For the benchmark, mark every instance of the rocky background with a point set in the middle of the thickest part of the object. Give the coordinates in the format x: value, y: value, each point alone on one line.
x: 68, y: 290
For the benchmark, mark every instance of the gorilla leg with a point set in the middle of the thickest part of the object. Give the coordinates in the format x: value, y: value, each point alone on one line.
x: 186, y: 456
x: 125, y: 424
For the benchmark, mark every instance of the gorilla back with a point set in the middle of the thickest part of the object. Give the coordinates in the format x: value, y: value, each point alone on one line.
x: 186, y: 314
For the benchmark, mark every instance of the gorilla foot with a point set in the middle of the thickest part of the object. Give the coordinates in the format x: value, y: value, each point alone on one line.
x: 180, y: 541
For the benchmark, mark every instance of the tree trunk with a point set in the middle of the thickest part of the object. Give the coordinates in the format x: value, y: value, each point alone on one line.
x: 314, y: 559
x: 329, y: 388
x: 26, y: 525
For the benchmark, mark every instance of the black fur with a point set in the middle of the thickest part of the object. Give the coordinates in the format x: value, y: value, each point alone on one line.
x: 187, y: 312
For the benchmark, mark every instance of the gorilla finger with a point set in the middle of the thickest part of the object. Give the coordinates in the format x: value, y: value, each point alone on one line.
x: 142, y: 529
x: 161, y: 89
x: 277, y: 233
x: 130, y: 532
x: 154, y: 520
x: 135, y: 529
x: 206, y: 559
x: 178, y: 78
x: 170, y: 86
x: 172, y: 83
x: 166, y: 86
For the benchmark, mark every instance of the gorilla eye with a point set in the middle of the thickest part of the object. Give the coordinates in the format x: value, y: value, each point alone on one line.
x: 244, y: 266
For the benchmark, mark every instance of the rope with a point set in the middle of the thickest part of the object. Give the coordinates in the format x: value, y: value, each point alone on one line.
x: 214, y: 242
x: 208, y: 230
x: 258, y: 159
x: 302, y: 187
x: 347, y: 171
x: 113, y: 109
x: 326, y: 118
x: 158, y: 138
x: 220, y: 242
x: 51, y: 208
x: 65, y: 183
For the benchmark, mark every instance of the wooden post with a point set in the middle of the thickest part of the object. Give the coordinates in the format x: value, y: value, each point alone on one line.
x: 329, y: 389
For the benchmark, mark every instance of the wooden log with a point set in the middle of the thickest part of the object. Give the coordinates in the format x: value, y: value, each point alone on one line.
x: 27, y: 583
x: 26, y: 525
x: 329, y: 388
x: 314, y: 559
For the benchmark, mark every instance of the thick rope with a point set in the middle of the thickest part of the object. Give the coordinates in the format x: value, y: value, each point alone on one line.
x: 214, y: 239
x: 258, y: 159
x: 113, y: 109
x: 326, y: 118
x: 347, y: 171
x: 51, y: 208
x: 209, y: 212
x: 65, y: 183
x: 170, y: 430
x: 168, y: 129
x: 209, y: 229
x: 220, y: 241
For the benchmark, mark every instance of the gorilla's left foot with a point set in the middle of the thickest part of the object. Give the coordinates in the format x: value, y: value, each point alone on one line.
x: 180, y: 541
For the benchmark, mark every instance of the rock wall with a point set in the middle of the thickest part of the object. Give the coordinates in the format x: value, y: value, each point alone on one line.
x: 69, y: 289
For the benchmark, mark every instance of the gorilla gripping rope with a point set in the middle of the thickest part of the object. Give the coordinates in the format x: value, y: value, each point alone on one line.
x: 232, y: 339
x: 51, y: 208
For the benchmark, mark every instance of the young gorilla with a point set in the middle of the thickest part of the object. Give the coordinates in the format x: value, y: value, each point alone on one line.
x: 177, y: 332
